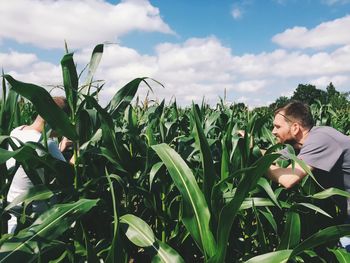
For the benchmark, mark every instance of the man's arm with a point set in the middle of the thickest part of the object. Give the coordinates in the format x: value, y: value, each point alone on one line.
x: 287, y: 177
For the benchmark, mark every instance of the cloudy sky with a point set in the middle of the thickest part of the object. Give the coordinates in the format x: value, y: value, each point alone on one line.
x: 255, y: 50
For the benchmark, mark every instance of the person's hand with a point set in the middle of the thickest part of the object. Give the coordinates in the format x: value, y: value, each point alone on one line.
x: 64, y: 144
x: 241, y: 133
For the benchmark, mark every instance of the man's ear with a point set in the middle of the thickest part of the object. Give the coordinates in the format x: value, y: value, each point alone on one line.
x: 295, y: 128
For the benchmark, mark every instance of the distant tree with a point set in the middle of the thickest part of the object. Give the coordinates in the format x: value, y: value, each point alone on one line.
x: 309, y: 94
x: 239, y: 106
x: 280, y: 102
x: 331, y: 91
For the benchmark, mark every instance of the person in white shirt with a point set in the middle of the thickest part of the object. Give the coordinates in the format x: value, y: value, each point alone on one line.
x: 32, y: 133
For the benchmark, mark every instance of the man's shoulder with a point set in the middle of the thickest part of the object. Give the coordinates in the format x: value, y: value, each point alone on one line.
x: 326, y: 131
x: 325, y: 135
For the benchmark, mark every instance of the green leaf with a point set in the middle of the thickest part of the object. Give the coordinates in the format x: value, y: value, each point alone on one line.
x: 267, y: 187
x: 328, y: 234
x: 260, y: 230
x: 36, y: 193
x: 45, y: 106
x: 341, y: 254
x: 70, y: 80
x: 225, y: 161
x: 20, y: 154
x: 280, y: 256
x: 315, y: 208
x: 330, y: 192
x: 291, y: 234
x: 94, y: 62
x: 270, y: 218
x: 47, y: 227
x: 153, y: 172
x: 206, y: 158
x: 112, y: 254
x: 124, y: 96
x: 229, y: 211
x: 196, y: 214
x: 140, y: 233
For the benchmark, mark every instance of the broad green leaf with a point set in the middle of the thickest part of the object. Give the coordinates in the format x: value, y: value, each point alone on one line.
x: 341, y: 254
x: 315, y: 208
x: 141, y: 234
x: 36, y: 193
x: 45, y: 107
x: 114, y: 250
x: 291, y: 234
x: 263, y: 244
x: 154, y: 170
x: 229, y: 211
x: 20, y: 154
x: 94, y: 62
x: 267, y: 187
x: 302, y: 164
x: 225, y: 161
x: 196, y: 214
x: 269, y: 217
x: 47, y: 227
x: 330, y: 192
x: 206, y: 158
x: 259, y: 201
x: 70, y: 80
x: 267, y: 134
x: 280, y: 256
x: 124, y: 96
x: 109, y: 135
x: 323, y: 236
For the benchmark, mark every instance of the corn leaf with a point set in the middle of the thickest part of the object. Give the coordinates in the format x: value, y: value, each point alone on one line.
x: 280, y: 256
x: 141, y: 234
x: 206, y: 158
x: 45, y: 107
x: 70, y: 80
x: 47, y: 227
x: 196, y: 214
x: 94, y: 62
x: 229, y: 211
x: 291, y: 234
x: 325, y: 235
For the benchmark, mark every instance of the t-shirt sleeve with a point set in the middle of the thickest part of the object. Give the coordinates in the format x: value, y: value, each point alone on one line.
x: 320, y: 152
x: 54, y: 151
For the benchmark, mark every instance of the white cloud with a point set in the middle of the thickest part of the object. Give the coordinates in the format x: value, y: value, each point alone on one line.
x: 334, y: 2
x: 337, y: 80
x: 250, y: 85
x: 326, y: 34
x: 17, y: 60
x: 236, y: 13
x: 81, y: 23
x: 200, y: 68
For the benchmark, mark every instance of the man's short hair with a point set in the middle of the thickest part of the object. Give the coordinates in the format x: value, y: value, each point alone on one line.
x: 296, y: 111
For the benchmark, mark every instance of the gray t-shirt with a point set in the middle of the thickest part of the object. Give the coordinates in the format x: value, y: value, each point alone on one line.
x: 328, y: 150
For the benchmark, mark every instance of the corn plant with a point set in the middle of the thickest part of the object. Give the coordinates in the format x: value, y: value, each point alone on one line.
x: 154, y: 182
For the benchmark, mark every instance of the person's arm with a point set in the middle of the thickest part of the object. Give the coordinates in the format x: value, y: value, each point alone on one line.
x: 287, y: 177
x: 64, y: 144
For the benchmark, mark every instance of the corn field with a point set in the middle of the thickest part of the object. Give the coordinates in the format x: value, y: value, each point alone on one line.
x: 157, y: 183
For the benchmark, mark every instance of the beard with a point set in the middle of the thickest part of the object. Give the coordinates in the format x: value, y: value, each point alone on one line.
x: 296, y: 145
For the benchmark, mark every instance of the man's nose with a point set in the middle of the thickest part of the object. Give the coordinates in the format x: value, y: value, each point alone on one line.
x: 274, y: 132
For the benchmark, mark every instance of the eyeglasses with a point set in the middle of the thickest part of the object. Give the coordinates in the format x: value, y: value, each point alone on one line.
x: 289, y: 120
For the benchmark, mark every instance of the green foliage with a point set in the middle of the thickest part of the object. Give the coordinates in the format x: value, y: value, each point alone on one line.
x: 309, y: 94
x: 158, y: 182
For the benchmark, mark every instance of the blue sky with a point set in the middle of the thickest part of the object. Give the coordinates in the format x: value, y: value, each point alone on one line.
x: 256, y: 50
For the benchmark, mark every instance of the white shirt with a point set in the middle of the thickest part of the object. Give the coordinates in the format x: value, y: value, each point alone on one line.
x: 21, y: 182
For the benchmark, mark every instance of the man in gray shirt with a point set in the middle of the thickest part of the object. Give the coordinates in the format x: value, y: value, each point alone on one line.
x: 325, y: 151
